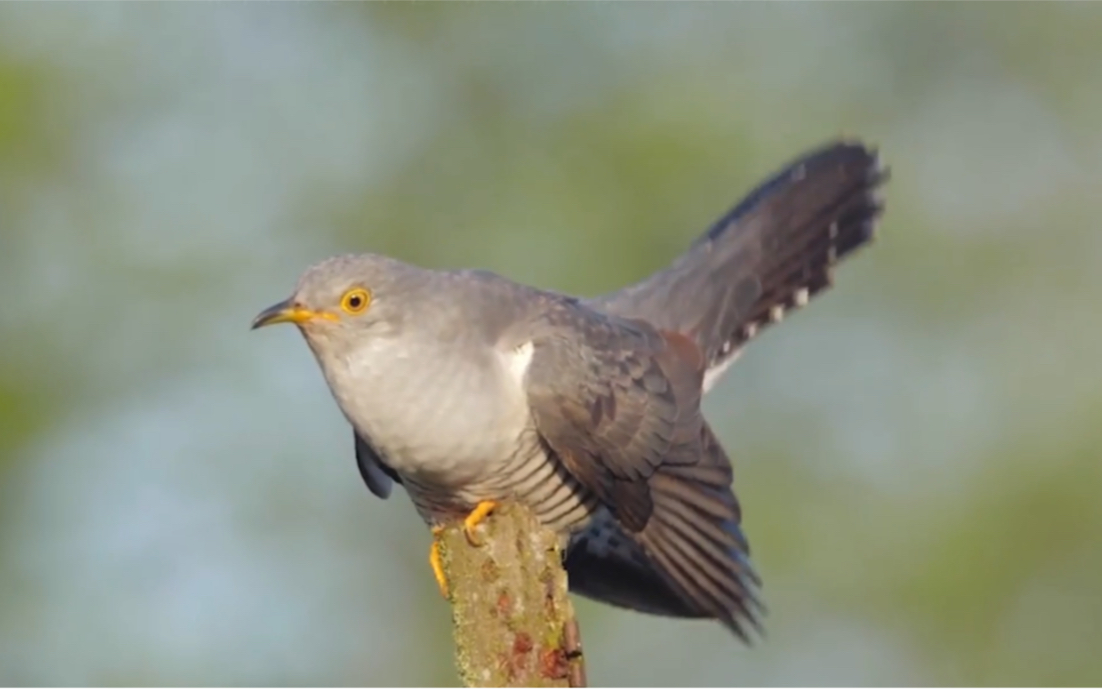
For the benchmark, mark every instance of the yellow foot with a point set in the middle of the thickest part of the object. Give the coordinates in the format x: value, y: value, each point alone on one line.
x: 437, y: 565
x: 473, y: 519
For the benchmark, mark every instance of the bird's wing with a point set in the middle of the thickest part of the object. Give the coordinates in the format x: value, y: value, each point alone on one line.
x: 379, y: 477
x: 614, y: 402
x: 619, y: 405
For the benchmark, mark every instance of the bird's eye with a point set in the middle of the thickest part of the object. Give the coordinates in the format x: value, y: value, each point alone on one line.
x: 355, y: 300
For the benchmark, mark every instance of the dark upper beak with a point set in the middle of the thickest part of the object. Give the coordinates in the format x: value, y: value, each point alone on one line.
x: 287, y: 311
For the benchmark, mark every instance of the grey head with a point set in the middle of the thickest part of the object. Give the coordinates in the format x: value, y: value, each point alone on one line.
x: 344, y: 300
x: 406, y: 356
x: 364, y: 317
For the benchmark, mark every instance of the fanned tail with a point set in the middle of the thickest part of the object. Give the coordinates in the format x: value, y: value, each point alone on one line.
x: 769, y: 255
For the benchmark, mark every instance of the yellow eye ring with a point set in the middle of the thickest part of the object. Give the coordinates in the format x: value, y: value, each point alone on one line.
x: 356, y: 300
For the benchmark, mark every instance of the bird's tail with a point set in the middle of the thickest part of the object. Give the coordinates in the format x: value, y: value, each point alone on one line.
x: 690, y: 560
x: 771, y: 253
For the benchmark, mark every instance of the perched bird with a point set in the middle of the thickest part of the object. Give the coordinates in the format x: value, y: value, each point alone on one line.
x: 469, y: 389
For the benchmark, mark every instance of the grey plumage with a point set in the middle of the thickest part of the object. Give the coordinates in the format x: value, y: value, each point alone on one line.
x: 774, y: 250
x: 464, y: 386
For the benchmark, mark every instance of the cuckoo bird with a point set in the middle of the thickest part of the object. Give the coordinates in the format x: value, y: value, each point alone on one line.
x: 469, y: 389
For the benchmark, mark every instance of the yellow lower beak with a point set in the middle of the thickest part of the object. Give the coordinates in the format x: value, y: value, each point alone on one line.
x: 287, y: 312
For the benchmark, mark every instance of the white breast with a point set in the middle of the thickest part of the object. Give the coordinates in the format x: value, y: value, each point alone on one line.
x: 446, y: 425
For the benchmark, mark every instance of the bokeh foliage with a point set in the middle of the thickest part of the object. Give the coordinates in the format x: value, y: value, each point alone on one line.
x: 916, y: 453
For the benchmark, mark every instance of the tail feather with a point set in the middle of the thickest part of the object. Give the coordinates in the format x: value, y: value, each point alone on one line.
x: 770, y: 254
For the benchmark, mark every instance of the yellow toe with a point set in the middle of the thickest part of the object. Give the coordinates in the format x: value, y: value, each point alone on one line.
x: 473, y: 519
x: 438, y: 567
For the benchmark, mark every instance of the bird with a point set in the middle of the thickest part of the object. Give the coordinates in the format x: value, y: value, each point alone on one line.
x: 470, y: 389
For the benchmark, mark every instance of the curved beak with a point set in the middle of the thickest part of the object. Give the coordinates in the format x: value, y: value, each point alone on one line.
x: 287, y: 311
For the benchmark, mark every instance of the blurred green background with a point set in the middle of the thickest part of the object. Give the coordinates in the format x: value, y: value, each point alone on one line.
x: 917, y: 452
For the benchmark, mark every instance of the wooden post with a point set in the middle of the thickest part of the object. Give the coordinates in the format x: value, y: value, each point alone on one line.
x: 514, y: 624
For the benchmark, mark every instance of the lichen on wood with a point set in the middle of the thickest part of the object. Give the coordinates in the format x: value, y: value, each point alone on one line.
x: 514, y: 624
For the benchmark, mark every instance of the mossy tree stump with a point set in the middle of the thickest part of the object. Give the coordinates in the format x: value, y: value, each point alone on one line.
x: 514, y: 624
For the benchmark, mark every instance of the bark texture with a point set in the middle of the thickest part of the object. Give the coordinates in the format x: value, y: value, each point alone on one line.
x: 514, y: 624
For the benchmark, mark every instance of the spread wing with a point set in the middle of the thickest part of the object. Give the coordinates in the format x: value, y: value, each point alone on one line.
x: 379, y: 477
x: 619, y: 404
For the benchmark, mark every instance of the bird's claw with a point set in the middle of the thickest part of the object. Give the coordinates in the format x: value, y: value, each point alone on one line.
x: 435, y: 562
x: 479, y: 513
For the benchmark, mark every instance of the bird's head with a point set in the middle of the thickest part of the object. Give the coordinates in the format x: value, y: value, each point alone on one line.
x: 342, y: 299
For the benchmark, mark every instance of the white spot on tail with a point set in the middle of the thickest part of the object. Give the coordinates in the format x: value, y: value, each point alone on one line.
x: 716, y: 370
x: 776, y: 313
x: 801, y: 296
x: 750, y: 330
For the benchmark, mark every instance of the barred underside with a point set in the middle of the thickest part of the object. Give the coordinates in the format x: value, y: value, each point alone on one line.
x: 530, y: 476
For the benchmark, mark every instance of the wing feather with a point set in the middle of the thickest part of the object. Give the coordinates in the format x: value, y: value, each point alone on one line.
x: 379, y: 477
x: 618, y: 403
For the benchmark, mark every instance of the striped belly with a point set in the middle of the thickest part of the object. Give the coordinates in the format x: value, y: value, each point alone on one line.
x: 529, y: 477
